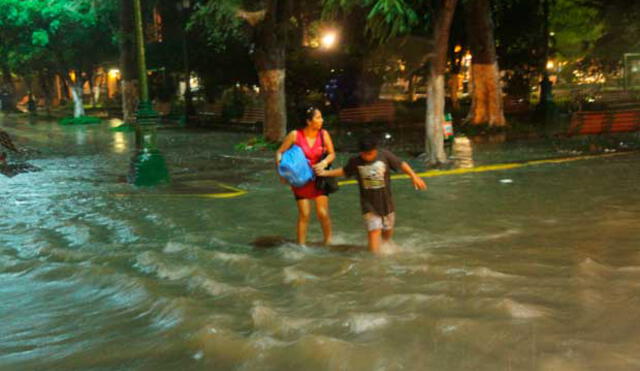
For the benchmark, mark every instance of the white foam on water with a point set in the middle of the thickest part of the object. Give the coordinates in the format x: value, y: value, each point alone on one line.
x: 411, y: 269
x: 211, y: 286
x: 402, y: 301
x: 267, y: 320
x: 229, y: 257
x: 64, y: 254
x: 76, y: 234
x: 293, y: 252
x: 264, y: 343
x: 523, y: 311
x: 166, y: 313
x: 482, y: 237
x: 363, y: 322
x: 198, y: 355
x: 489, y: 273
x: 344, y: 270
x: 630, y: 269
x: 593, y: 269
x: 218, y: 242
x: 149, y: 262
x: 389, y: 248
x: 174, y: 247
x: 226, y: 348
x: 295, y: 277
x: 173, y: 273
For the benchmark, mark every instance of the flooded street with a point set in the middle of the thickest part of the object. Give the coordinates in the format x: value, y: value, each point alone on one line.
x: 533, y: 268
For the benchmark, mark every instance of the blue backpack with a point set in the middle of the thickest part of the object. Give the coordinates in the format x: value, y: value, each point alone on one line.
x: 294, y: 167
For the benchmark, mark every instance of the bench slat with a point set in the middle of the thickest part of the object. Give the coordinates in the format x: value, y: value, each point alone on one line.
x: 604, y: 122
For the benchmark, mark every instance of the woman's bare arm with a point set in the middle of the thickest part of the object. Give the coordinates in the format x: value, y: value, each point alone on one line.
x: 331, y: 173
x: 286, y: 144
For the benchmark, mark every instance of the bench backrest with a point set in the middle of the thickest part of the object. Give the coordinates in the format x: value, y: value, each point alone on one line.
x: 597, y: 122
x: 378, y: 111
x: 615, y: 96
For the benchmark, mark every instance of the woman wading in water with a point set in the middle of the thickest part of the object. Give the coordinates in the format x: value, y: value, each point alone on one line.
x: 314, y: 142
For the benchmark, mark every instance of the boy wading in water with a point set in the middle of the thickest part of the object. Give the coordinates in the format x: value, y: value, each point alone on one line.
x: 371, y: 169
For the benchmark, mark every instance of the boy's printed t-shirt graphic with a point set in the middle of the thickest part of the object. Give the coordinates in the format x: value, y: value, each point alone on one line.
x: 374, y: 181
x: 373, y: 175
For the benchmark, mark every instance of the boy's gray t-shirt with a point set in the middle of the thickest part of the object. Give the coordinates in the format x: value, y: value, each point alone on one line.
x: 374, y: 181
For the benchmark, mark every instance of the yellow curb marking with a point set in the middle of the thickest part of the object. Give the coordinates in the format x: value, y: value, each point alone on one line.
x: 235, y: 192
x: 482, y: 169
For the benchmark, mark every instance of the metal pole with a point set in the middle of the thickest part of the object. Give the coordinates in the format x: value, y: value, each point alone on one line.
x: 142, y: 63
x: 148, y: 167
x: 188, y: 103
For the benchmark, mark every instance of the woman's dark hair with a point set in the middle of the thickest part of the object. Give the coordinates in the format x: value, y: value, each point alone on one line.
x: 368, y: 143
x: 309, y: 112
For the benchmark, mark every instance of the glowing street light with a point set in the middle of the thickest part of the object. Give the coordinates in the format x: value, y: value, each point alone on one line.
x: 550, y: 65
x: 329, y: 39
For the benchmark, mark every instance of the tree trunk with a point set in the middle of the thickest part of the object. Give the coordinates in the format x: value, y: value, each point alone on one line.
x: 270, y: 55
x: 435, y: 117
x: 45, y: 85
x: 130, y: 93
x: 128, y: 76
x: 486, y: 91
x: 434, y: 145
x: 275, y: 112
x: 8, y: 91
x: 412, y: 88
x: 76, y: 92
x: 66, y: 89
x: 454, y: 82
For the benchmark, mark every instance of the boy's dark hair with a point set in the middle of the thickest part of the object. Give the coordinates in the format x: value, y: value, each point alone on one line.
x: 367, y: 143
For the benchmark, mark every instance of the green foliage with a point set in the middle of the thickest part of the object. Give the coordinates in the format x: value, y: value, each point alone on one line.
x: 621, y: 25
x: 40, y: 38
x: 385, y: 18
x: 389, y: 18
x: 57, y: 35
x: 125, y: 128
x: 219, y: 19
x: 576, y: 27
x: 258, y: 143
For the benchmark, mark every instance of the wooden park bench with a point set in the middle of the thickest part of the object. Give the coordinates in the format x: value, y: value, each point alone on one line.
x: 601, y: 122
x: 617, y: 100
x: 380, y: 111
x: 252, y: 115
x: 251, y: 119
x: 515, y: 105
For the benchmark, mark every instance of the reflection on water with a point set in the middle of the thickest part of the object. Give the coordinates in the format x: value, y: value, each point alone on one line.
x: 538, y: 274
x: 120, y: 144
x: 81, y: 137
x: 462, y: 152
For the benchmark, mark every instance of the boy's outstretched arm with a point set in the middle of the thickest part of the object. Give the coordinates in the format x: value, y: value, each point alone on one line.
x: 418, y: 183
x: 330, y: 173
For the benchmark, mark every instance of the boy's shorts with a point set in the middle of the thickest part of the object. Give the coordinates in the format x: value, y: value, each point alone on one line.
x: 374, y: 221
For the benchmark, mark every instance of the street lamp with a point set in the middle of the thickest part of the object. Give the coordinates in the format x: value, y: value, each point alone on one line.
x: 184, y: 7
x: 329, y: 39
x: 148, y: 167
